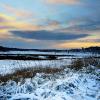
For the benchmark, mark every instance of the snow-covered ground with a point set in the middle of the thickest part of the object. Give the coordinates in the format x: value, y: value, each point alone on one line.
x: 68, y: 85
x: 76, y: 54
x: 10, y: 66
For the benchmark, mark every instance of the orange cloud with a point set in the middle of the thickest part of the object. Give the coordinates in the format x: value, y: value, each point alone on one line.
x: 51, y: 25
x: 5, y: 17
x: 8, y: 23
x: 92, y: 40
x: 62, y: 1
x: 77, y: 44
x: 11, y: 23
x: 5, y: 35
x: 4, y: 22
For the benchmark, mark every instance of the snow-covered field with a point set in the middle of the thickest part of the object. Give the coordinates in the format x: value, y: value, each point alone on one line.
x: 65, y: 85
x: 10, y: 66
x: 76, y: 54
x: 68, y: 85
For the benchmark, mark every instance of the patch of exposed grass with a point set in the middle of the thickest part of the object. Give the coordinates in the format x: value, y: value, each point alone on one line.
x: 81, y: 63
x: 91, y: 61
x: 28, y: 73
x: 98, y: 66
x: 77, y: 64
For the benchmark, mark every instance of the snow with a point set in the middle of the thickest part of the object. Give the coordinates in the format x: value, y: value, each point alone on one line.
x: 62, y: 86
x: 76, y: 54
x: 10, y: 66
x: 66, y: 85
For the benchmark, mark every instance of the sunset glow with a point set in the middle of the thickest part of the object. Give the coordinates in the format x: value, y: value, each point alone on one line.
x: 77, y: 23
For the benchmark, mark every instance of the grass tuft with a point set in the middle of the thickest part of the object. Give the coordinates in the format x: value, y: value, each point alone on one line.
x: 28, y: 73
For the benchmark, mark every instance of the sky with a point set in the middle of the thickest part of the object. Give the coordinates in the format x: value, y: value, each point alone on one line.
x: 47, y: 24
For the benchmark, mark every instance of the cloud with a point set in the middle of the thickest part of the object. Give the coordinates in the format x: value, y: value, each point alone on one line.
x: 93, y: 37
x: 8, y: 23
x: 76, y: 44
x: 48, y: 35
x: 88, y: 26
x: 49, y: 24
x: 82, y: 25
x: 66, y: 21
x: 5, y: 35
x: 11, y: 23
x: 5, y: 18
x: 2, y: 19
x: 17, y: 12
x: 62, y: 1
x: 5, y: 22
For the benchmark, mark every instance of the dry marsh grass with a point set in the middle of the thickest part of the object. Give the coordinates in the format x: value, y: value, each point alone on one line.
x: 28, y: 73
x: 85, y: 63
x: 76, y: 65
